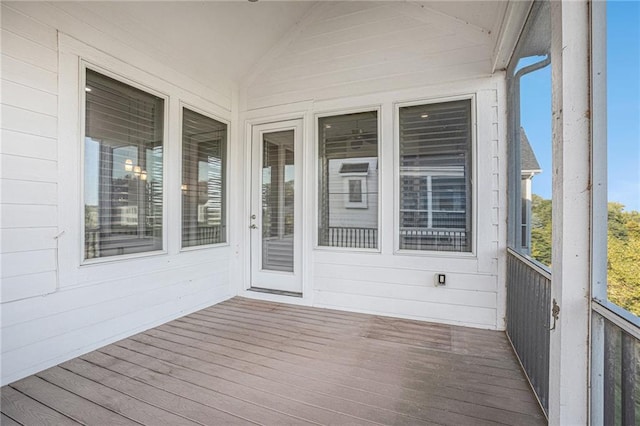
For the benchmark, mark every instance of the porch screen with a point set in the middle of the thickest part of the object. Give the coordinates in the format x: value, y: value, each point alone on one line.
x: 348, y: 180
x: 123, y: 168
x: 435, y: 177
x: 204, y: 142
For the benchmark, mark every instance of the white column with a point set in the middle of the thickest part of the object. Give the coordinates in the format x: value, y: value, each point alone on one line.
x: 571, y: 264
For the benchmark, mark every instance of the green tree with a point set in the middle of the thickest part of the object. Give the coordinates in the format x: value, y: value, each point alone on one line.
x: 541, y: 229
x: 623, y: 251
x: 623, y: 275
x: 616, y: 221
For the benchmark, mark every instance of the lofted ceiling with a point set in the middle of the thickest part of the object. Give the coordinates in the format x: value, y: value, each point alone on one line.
x: 227, y: 40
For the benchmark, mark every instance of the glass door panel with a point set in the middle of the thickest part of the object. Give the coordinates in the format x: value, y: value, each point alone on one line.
x: 278, y: 195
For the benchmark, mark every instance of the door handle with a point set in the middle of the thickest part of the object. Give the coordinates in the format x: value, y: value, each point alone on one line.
x: 253, y: 226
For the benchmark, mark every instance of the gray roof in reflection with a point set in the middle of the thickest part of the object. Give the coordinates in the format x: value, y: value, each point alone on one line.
x: 528, y: 160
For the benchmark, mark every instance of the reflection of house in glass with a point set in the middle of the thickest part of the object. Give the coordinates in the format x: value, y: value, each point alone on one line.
x: 435, y: 177
x: 348, y: 202
x: 529, y: 167
x: 203, y: 149
x: 350, y: 182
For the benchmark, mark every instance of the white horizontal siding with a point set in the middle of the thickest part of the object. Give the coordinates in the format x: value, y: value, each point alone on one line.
x: 27, y: 239
x: 125, y: 40
x: 28, y: 28
x: 425, y: 291
x: 25, y: 50
x: 358, y: 49
x: 402, y: 283
x: 32, y: 146
x: 29, y: 122
x: 27, y: 286
x: 25, y: 97
x: 28, y: 192
x: 414, y: 309
x: 29, y: 157
x: 87, y: 315
x: 51, y: 313
x: 397, y: 276
x: 185, y: 297
x: 400, y: 80
x: 28, y: 262
x: 24, y: 73
x: 28, y: 168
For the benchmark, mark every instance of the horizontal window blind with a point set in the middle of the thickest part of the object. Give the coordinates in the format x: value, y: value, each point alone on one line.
x: 204, y: 145
x: 348, y: 206
x: 435, y: 177
x: 123, y: 168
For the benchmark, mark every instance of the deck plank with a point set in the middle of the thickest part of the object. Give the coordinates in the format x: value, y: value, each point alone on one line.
x: 68, y: 403
x: 115, y: 401
x: 7, y: 421
x: 178, y: 404
x: 275, y: 368
x: 157, y: 377
x: 28, y: 411
x: 246, y: 361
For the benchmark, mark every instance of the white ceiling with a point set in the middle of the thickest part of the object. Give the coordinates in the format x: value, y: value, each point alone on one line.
x: 210, y: 40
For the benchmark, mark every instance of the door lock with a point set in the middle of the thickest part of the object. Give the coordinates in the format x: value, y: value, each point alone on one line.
x: 253, y: 226
x: 253, y: 216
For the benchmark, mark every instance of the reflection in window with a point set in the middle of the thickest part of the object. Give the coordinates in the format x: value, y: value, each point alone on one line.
x: 204, y: 142
x: 278, y: 200
x: 123, y: 170
x: 348, y: 180
x: 435, y: 177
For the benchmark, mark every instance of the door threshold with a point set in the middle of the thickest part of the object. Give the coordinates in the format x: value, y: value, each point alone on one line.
x: 278, y: 292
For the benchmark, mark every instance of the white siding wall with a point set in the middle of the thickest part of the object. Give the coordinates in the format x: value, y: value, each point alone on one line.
x: 356, y: 48
x: 52, y: 308
x: 356, y: 55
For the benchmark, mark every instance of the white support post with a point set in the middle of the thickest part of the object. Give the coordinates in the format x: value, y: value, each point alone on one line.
x: 571, y: 263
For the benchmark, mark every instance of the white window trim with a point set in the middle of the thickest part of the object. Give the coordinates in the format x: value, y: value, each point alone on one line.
x: 172, y: 87
x: 316, y: 146
x: 216, y: 117
x: 84, y: 66
x: 472, y: 97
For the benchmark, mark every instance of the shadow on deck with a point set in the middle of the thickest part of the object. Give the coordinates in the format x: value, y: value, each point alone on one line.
x: 245, y: 361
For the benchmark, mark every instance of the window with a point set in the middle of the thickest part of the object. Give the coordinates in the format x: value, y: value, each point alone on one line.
x: 355, y: 184
x: 123, y: 168
x: 204, y: 142
x: 348, y: 180
x: 435, y: 177
x: 355, y: 192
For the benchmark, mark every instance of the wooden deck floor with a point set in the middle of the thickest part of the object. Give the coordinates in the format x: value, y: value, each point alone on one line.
x: 246, y: 361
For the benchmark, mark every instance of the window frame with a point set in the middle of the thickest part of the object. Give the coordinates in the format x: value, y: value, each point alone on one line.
x: 472, y: 253
x: 85, y: 65
x: 316, y: 149
x: 182, y: 105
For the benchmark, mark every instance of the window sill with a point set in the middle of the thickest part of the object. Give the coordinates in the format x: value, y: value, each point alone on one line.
x: 203, y: 247
x: 122, y: 258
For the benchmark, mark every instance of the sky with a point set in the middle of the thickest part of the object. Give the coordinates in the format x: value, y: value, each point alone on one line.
x: 623, y: 108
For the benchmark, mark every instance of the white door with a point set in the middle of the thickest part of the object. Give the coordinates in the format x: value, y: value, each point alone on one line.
x: 276, y: 206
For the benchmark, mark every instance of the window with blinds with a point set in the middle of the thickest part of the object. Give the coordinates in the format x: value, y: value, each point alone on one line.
x: 204, y: 145
x: 435, y: 177
x: 348, y: 180
x: 123, y: 168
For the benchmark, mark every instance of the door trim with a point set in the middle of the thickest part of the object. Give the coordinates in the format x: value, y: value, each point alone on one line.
x: 258, y: 279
